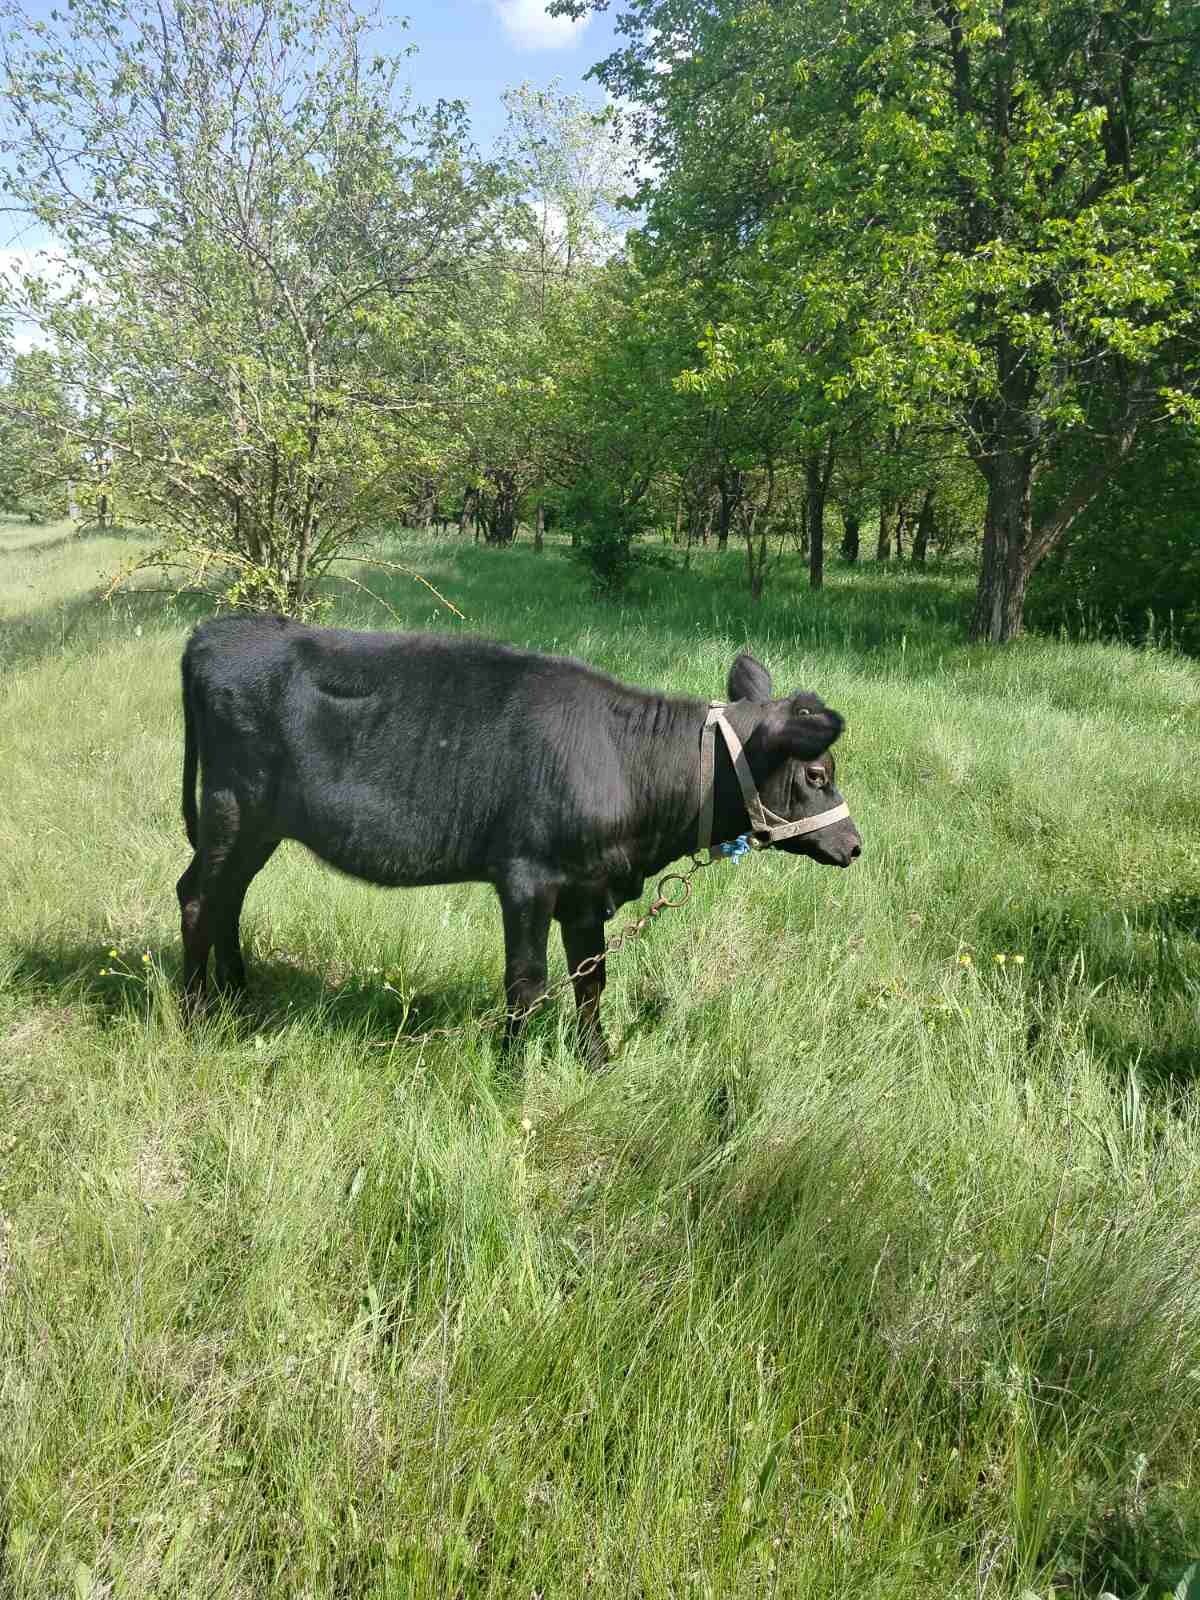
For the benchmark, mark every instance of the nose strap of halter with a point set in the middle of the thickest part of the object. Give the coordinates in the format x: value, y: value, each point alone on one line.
x: 765, y: 827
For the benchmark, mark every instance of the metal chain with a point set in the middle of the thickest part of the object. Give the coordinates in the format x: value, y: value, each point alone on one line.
x: 663, y: 901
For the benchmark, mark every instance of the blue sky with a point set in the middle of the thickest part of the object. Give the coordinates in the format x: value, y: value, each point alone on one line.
x: 475, y: 49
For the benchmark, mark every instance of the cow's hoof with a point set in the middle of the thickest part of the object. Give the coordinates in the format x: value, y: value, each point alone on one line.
x: 595, y: 1052
x: 193, y: 1007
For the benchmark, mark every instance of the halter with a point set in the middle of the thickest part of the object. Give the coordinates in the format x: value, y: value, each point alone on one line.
x: 766, y: 828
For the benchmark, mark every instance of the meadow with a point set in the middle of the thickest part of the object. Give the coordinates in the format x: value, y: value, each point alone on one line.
x: 869, y: 1269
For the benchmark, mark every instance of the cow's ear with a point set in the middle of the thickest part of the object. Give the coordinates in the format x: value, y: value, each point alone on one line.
x: 793, y: 730
x: 749, y: 679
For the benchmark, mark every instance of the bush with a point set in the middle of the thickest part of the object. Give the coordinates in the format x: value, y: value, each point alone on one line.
x: 604, y: 527
x: 1132, y: 571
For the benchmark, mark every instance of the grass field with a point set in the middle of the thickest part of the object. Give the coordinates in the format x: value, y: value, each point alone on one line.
x: 871, y: 1268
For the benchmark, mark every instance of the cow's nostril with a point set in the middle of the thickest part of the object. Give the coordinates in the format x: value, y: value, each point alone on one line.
x: 856, y: 852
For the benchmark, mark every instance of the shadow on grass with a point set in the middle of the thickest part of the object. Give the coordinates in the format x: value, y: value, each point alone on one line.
x: 76, y: 540
x: 1179, y: 913
x: 81, y: 623
x: 16, y: 552
x: 279, y: 996
x: 1137, y: 970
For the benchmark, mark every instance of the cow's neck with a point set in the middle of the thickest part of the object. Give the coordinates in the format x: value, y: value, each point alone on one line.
x: 668, y: 823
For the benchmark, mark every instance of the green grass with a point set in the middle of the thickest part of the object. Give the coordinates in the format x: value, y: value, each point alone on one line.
x: 865, y: 1272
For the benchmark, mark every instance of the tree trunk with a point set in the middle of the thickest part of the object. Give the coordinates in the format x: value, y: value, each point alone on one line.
x: 539, y: 526
x: 729, y: 498
x: 756, y: 555
x: 464, y: 515
x: 1007, y: 540
x: 920, y: 544
x: 815, y: 485
x: 883, y: 550
x: 851, y: 524
x: 500, y: 524
x: 901, y: 525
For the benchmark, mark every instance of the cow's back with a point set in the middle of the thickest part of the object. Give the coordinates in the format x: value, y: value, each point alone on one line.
x: 405, y: 758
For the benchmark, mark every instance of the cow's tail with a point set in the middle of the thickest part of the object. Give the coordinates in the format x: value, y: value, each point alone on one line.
x: 191, y: 755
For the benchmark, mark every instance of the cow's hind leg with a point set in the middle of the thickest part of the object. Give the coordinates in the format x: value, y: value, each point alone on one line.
x: 197, y: 932
x: 226, y: 897
x: 527, y: 903
x: 583, y: 937
x: 212, y: 889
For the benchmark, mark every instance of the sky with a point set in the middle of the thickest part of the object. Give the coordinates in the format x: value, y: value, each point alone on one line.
x: 475, y: 49
x: 468, y: 50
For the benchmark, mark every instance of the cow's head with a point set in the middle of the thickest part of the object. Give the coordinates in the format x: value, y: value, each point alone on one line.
x: 789, y: 755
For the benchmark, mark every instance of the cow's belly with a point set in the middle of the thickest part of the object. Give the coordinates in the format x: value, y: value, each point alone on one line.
x: 371, y: 836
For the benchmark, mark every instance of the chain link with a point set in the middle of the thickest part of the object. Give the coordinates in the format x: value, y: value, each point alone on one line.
x: 663, y: 901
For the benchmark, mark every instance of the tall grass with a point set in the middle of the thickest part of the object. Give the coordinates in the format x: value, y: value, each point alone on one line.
x: 870, y: 1268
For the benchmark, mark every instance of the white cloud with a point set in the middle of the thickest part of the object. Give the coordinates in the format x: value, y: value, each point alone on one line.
x: 27, y: 337
x: 528, y: 26
x: 15, y: 262
x: 50, y: 265
x: 53, y: 267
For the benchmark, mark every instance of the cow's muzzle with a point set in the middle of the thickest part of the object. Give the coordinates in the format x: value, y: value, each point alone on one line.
x: 835, y: 846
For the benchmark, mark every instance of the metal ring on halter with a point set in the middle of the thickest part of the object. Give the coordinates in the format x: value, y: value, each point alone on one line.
x: 673, y: 877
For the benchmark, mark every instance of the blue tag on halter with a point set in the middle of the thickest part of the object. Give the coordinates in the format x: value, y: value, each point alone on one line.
x: 736, y: 848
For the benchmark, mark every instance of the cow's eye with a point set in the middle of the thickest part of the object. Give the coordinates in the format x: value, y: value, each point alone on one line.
x: 818, y: 777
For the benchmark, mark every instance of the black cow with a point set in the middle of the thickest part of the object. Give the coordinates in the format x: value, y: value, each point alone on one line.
x: 412, y: 759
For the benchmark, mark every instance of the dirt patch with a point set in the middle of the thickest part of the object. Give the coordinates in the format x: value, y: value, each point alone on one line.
x: 27, y: 1037
x: 158, y: 1173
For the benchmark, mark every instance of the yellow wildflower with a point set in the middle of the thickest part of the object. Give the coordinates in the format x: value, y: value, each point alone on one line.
x: 1000, y: 958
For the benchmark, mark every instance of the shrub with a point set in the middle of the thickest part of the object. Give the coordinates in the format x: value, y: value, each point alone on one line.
x: 1132, y: 570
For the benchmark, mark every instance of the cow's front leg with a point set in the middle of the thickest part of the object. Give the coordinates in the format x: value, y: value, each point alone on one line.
x: 527, y: 902
x: 583, y: 937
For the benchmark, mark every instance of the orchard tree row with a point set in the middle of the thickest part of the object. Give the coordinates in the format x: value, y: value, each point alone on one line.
x: 893, y: 278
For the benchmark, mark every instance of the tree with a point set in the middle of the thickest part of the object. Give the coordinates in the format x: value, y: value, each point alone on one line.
x: 568, y: 165
x: 611, y: 418
x: 999, y: 196
x: 38, y: 464
x: 249, y: 201
x: 771, y: 342
x: 565, y: 168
